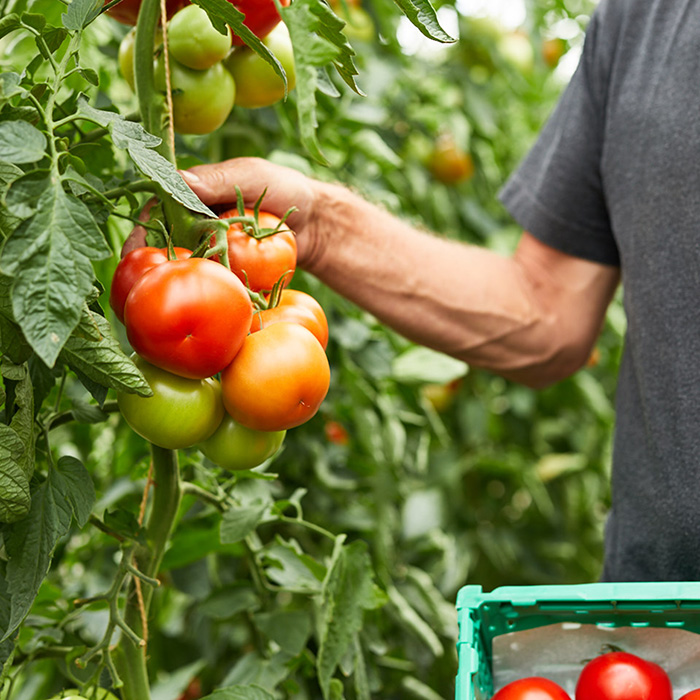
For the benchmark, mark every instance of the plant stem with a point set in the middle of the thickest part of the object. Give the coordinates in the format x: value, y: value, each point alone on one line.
x: 131, y: 659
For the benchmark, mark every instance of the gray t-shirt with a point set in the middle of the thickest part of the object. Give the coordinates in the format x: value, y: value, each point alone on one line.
x: 615, y: 178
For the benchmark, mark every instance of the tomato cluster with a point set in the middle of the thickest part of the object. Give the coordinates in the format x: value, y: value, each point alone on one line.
x: 228, y: 374
x: 616, y: 675
x: 206, y: 76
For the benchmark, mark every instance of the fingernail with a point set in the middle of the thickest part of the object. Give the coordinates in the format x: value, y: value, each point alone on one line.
x: 189, y: 177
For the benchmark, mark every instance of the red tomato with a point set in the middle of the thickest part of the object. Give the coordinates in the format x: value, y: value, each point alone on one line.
x: 622, y: 676
x: 296, y: 307
x: 277, y: 380
x: 133, y: 266
x: 261, y: 16
x: 127, y: 11
x: 534, y: 688
x: 188, y: 317
x: 692, y: 695
x: 260, y: 262
x: 336, y: 433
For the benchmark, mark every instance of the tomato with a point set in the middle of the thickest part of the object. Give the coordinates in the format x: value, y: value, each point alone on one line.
x: 296, y: 307
x: 336, y: 433
x: 278, y: 379
x: 533, y: 688
x: 692, y: 695
x: 202, y: 99
x: 193, y: 40
x: 235, y: 447
x: 552, y: 50
x: 193, y: 690
x: 181, y: 412
x: 261, y: 16
x: 622, y: 676
x: 127, y: 11
x: 257, y: 84
x: 132, y: 267
x: 126, y: 57
x: 261, y: 262
x: 441, y: 396
x: 188, y: 317
x: 74, y: 694
x: 449, y: 163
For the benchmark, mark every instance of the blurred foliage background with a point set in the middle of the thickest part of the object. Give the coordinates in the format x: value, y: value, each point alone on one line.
x: 450, y: 475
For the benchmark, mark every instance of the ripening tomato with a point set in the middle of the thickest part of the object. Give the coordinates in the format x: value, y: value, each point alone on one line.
x: 235, y: 447
x: 692, y: 695
x: 202, y: 99
x: 260, y: 262
x: 257, y: 83
x: 533, y: 688
x: 449, y: 163
x: 188, y: 317
x: 194, y: 41
x: 336, y: 433
x: 622, y: 676
x: 181, y: 412
x: 278, y: 380
x: 261, y: 16
x: 295, y: 307
x: 132, y: 267
x: 127, y: 11
x: 552, y: 50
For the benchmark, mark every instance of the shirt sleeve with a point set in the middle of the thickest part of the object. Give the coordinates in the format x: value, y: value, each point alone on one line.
x: 557, y: 192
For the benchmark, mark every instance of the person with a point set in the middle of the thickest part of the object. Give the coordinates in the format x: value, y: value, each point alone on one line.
x: 610, y: 191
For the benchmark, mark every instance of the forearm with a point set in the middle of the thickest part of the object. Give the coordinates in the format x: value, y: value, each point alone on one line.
x: 463, y: 300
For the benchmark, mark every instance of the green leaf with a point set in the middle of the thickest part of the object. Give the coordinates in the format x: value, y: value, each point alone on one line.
x: 133, y: 138
x: 91, y: 76
x: 34, y: 20
x: 80, y: 13
x: 290, y: 568
x: 420, y: 365
x: 24, y: 193
x: 78, y: 486
x: 103, y: 361
x: 23, y: 419
x: 8, y: 24
x: 54, y: 37
x: 415, y: 624
x: 50, y: 256
x: 240, y: 692
x: 30, y: 544
x: 226, y: 603
x: 239, y: 521
x: 347, y: 592
x: 20, y: 142
x: 423, y: 16
x: 9, y: 85
x: 15, y: 498
x: 290, y: 629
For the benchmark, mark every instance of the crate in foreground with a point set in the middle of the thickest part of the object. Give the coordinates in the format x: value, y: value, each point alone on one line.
x: 519, y: 631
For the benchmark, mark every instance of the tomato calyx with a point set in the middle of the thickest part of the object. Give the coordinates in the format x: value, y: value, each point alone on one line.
x: 251, y: 224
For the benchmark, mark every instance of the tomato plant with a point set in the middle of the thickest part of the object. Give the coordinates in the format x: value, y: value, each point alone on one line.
x: 618, y: 675
x: 236, y: 448
x: 181, y: 412
x: 296, y: 307
x: 261, y: 16
x: 257, y: 84
x: 193, y: 40
x: 132, y: 267
x: 533, y: 688
x: 261, y: 257
x: 202, y: 99
x: 127, y: 11
x: 277, y: 380
x: 188, y: 316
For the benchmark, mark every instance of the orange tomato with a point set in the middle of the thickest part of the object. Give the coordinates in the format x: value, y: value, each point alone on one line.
x: 278, y: 379
x: 295, y: 307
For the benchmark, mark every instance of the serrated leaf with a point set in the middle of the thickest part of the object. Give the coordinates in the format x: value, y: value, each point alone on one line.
x: 238, y: 522
x: 24, y: 193
x: 80, y: 13
x: 9, y: 84
x: 20, y: 142
x: 49, y: 255
x: 104, y: 362
x: 423, y: 16
x: 15, y: 498
x: 292, y: 569
x: 347, y: 592
x: 30, y: 544
x: 139, y: 144
x: 78, y: 486
x: 23, y: 419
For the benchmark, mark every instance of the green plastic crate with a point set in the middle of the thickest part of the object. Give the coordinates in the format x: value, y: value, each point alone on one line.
x: 484, y: 616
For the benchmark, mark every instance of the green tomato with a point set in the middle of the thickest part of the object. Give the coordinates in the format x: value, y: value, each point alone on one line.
x: 202, y: 99
x: 193, y: 40
x: 126, y: 57
x: 236, y: 447
x: 358, y: 25
x: 181, y: 412
x: 257, y: 84
x: 74, y: 694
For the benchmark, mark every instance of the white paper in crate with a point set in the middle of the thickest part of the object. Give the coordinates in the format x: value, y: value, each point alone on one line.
x: 558, y: 652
